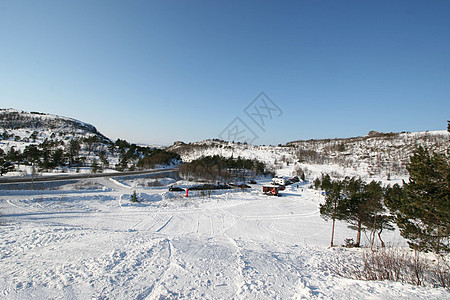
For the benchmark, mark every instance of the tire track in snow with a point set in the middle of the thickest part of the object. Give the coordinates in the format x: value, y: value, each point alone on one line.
x: 137, y: 224
x: 18, y: 206
x: 162, y: 227
x: 284, y: 216
x: 276, y: 230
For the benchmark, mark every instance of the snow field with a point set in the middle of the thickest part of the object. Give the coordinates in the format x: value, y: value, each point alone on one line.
x: 96, y: 244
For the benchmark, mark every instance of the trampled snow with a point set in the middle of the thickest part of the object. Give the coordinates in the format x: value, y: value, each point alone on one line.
x: 86, y: 240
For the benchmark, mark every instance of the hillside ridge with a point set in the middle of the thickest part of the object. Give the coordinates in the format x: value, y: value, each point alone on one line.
x: 13, y: 119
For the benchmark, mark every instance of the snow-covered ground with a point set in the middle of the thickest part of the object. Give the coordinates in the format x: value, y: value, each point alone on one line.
x: 86, y: 240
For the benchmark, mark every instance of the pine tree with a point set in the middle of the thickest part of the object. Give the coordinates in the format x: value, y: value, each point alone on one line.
x: 5, y: 166
x: 326, y: 182
x: 423, y: 208
x: 103, y: 158
x: 375, y: 217
x: 332, y: 208
x: 355, y: 205
x: 73, y: 149
x: 95, y: 167
x: 134, y: 197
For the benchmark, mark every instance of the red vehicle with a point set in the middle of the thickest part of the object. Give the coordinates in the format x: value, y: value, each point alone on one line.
x: 271, y: 190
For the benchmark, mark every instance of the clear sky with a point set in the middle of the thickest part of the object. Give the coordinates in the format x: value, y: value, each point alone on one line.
x: 161, y: 71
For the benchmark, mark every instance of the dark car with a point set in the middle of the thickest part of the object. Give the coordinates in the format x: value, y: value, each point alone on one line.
x: 176, y: 189
x: 244, y: 186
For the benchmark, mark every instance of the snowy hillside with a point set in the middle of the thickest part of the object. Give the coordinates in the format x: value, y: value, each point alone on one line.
x: 376, y: 156
x: 55, y: 144
x: 23, y: 124
x: 380, y: 156
x: 19, y: 129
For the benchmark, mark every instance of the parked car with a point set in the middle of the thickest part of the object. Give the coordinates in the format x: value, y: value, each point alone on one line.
x: 244, y: 186
x: 176, y: 189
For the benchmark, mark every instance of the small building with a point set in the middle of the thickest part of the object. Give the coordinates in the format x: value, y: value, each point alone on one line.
x: 271, y: 189
x: 279, y: 180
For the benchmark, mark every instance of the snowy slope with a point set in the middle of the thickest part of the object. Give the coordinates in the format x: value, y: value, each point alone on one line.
x: 25, y: 128
x: 88, y: 241
x: 19, y: 129
x: 12, y: 119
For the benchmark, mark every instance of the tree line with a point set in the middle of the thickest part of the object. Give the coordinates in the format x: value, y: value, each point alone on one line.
x: 420, y: 208
x: 218, y: 168
x: 90, y: 151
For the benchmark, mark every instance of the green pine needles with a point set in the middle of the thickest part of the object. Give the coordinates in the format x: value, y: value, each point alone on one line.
x: 422, y: 206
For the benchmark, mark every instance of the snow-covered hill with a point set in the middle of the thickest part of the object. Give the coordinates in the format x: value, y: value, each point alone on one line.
x: 50, y: 134
x: 35, y: 127
x: 381, y: 156
x: 376, y: 153
x: 56, y: 144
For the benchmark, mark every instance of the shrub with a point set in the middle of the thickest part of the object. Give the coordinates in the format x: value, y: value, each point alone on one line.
x: 398, y: 264
x: 134, y: 197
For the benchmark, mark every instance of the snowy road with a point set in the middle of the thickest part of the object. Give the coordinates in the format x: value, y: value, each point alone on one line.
x: 63, y: 177
x: 96, y: 244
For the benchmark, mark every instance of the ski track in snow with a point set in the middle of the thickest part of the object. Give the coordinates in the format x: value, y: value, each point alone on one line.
x: 165, y: 224
x: 234, y: 245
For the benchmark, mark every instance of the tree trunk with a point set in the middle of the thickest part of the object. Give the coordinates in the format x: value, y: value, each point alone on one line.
x: 379, y: 236
x: 438, y: 241
x: 358, y: 235
x: 373, y: 233
x: 332, y: 232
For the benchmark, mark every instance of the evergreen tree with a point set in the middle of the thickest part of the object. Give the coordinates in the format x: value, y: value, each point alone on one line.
x: 58, y: 157
x: 355, y: 205
x: 31, y: 153
x: 356, y: 202
x: 134, y: 197
x: 95, y: 167
x: 103, y: 158
x: 73, y: 150
x: 316, y: 183
x: 326, y: 182
x: 5, y: 135
x: 423, y: 208
x: 5, y: 166
x: 91, y: 143
x: 13, y: 155
x: 332, y: 208
x: 123, y: 163
x: 375, y: 217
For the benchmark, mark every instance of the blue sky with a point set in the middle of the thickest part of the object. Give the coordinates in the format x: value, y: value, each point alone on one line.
x: 161, y: 71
